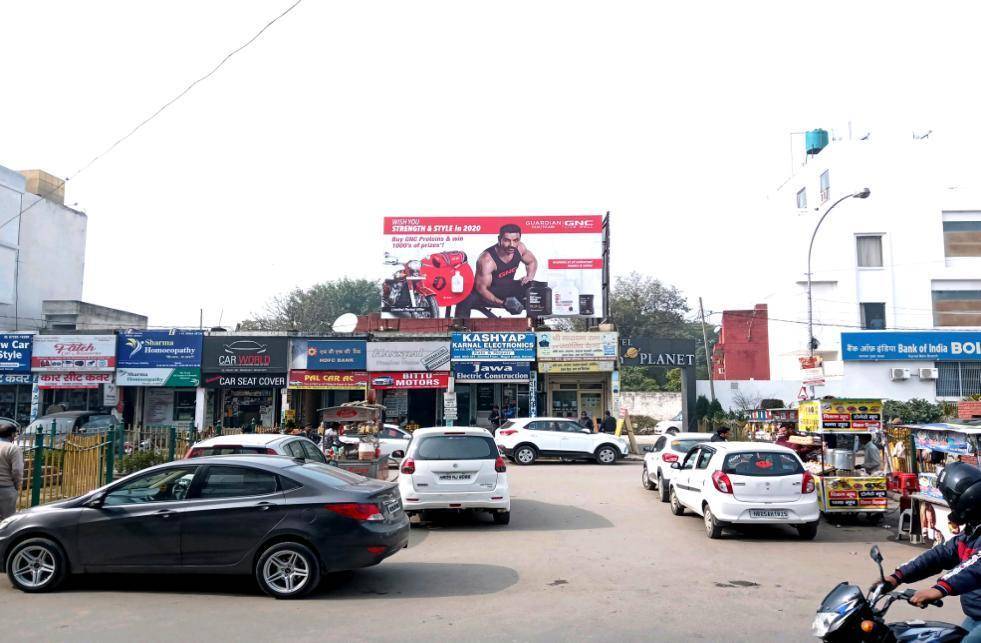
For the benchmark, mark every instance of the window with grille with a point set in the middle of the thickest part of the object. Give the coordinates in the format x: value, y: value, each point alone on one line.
x: 958, y: 379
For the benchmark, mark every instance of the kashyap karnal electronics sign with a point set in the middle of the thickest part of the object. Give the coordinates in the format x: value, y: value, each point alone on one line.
x: 513, y: 266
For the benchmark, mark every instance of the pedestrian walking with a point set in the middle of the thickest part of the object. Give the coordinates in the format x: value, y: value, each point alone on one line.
x: 586, y: 422
x: 609, y: 423
x: 495, y: 417
x: 11, y: 469
x: 721, y: 435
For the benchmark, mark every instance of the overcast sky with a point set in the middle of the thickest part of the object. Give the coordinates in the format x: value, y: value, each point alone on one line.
x: 277, y: 171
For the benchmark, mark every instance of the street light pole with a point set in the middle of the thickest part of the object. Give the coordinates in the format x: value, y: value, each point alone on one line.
x: 861, y: 194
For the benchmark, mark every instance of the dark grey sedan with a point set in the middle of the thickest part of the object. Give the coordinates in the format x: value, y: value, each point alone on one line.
x: 282, y: 520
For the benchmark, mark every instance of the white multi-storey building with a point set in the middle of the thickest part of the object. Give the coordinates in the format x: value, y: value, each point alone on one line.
x: 900, y: 269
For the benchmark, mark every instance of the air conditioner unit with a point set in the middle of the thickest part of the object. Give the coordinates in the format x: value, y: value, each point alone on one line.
x: 929, y: 373
x: 897, y: 374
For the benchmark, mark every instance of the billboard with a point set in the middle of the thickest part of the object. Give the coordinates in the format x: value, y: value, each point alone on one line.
x: 159, y: 349
x: 15, y: 353
x: 577, y: 346
x: 329, y: 355
x: 491, y: 347
x: 467, y: 372
x: 408, y: 356
x: 328, y: 380
x: 177, y: 377
x: 881, y: 346
x: 404, y: 380
x: 245, y: 354
x: 513, y: 266
x: 647, y: 351
x: 74, y: 353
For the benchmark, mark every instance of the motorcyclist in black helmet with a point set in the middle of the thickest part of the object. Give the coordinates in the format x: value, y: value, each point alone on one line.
x: 960, y: 484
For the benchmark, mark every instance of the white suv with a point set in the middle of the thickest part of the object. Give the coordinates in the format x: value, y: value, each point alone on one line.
x: 455, y: 468
x: 731, y: 483
x: 527, y: 439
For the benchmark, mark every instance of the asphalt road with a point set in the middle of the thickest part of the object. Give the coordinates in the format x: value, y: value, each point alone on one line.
x: 589, y: 555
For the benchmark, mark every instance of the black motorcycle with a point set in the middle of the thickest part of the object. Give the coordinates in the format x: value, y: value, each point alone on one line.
x: 846, y: 614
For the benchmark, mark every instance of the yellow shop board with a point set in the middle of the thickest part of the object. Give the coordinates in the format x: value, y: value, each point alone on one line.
x: 851, y: 494
x: 840, y: 415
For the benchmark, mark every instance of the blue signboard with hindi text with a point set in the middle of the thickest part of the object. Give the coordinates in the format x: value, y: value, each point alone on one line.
x: 929, y: 346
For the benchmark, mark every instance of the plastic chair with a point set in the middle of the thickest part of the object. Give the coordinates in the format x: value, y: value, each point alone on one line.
x: 906, y: 513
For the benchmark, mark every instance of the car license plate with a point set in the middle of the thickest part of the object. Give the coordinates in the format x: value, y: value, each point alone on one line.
x: 454, y: 477
x: 768, y: 513
x: 393, y: 506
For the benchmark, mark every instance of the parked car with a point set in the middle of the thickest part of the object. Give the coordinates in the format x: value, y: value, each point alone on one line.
x: 284, y: 522
x: 66, y: 422
x: 455, y: 468
x: 659, y: 457
x: 392, y: 441
x: 674, y: 425
x: 733, y: 483
x: 294, y: 446
x: 527, y: 439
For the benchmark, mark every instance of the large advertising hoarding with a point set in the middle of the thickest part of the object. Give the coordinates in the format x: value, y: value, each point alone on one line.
x: 246, y: 354
x: 74, y: 353
x: 15, y: 353
x: 522, y: 266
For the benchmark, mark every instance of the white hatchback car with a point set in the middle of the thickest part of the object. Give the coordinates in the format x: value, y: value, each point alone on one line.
x: 658, y: 459
x: 674, y: 425
x: 455, y: 468
x: 525, y: 440
x: 392, y: 441
x: 732, y: 483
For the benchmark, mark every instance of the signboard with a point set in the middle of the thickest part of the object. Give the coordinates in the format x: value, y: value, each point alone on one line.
x: 647, y: 351
x: 927, y: 346
x: 18, y: 378
x: 169, y: 377
x: 575, y: 367
x: 110, y: 395
x: 245, y: 354
x: 491, y: 371
x: 77, y: 353
x: 15, y: 353
x: 329, y: 355
x: 409, y: 380
x: 328, y: 380
x: 946, y: 441
x: 533, y: 394
x: 159, y: 349
x: 409, y: 356
x: 158, y: 406
x: 577, y: 346
x: 852, y: 494
x: 73, y: 380
x: 245, y: 380
x: 449, y: 406
x: 840, y: 415
x: 812, y: 370
x: 476, y: 264
x: 492, y: 347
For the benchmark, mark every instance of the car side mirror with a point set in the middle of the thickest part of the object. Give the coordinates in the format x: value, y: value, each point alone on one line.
x: 675, y: 465
x: 97, y: 501
x: 585, y: 431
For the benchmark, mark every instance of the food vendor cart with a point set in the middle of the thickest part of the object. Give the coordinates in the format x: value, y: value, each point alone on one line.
x: 842, y: 488
x: 935, y: 446
x: 764, y: 425
x: 357, y: 449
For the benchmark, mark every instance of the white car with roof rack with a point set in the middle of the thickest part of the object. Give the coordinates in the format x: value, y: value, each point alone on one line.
x: 524, y: 440
x: 455, y: 469
x: 659, y: 457
x: 745, y: 483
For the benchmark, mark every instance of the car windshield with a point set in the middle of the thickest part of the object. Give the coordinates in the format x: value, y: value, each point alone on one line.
x: 762, y: 463
x: 456, y: 447
x: 682, y: 446
x: 98, y: 422
x: 679, y: 417
x: 508, y: 424
x: 231, y: 449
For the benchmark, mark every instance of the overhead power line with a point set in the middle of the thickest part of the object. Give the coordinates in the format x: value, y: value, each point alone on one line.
x: 156, y: 113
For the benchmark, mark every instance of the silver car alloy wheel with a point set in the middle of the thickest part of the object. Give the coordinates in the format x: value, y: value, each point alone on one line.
x: 286, y: 572
x: 606, y: 456
x: 33, y: 566
x: 525, y: 456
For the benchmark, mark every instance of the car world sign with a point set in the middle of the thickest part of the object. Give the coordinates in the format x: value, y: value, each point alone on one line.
x: 493, y: 346
x: 491, y: 371
x: 245, y: 354
x: 916, y: 346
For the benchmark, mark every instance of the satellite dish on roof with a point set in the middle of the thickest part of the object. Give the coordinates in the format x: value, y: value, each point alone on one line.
x: 346, y: 323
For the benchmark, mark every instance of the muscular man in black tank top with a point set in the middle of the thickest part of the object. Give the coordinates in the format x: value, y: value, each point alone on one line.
x: 497, y: 266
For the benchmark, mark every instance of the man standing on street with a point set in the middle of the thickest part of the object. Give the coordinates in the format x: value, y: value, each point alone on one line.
x: 721, y: 434
x: 585, y: 421
x: 11, y: 469
x: 609, y: 423
x: 495, y: 417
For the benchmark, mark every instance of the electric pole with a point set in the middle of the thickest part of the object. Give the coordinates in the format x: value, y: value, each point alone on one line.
x: 705, y: 344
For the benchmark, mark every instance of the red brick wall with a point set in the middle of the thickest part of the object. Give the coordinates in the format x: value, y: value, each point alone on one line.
x: 743, y: 349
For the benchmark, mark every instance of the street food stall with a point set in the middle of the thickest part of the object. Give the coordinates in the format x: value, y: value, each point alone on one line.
x: 767, y: 425
x: 934, y: 446
x: 356, y: 450
x: 840, y: 423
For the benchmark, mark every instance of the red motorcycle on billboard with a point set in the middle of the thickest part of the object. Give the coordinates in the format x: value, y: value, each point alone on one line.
x: 421, y: 287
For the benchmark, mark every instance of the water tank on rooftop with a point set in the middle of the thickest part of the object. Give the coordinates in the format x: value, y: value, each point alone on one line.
x: 815, y: 140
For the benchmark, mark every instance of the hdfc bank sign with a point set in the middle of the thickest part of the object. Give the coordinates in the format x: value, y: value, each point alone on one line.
x: 383, y: 380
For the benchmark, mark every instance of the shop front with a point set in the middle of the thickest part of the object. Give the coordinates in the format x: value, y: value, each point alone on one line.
x: 17, y: 386
x: 492, y: 369
x: 75, y: 372
x: 409, y: 378
x: 245, y: 377
x: 325, y: 373
x: 159, y: 372
x: 578, y: 371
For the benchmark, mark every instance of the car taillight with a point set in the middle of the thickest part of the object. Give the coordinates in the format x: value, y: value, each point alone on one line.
x: 499, y: 465
x: 722, y: 482
x: 408, y: 466
x: 506, y: 432
x: 669, y: 457
x: 360, y: 511
x: 270, y: 452
x: 807, y: 484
